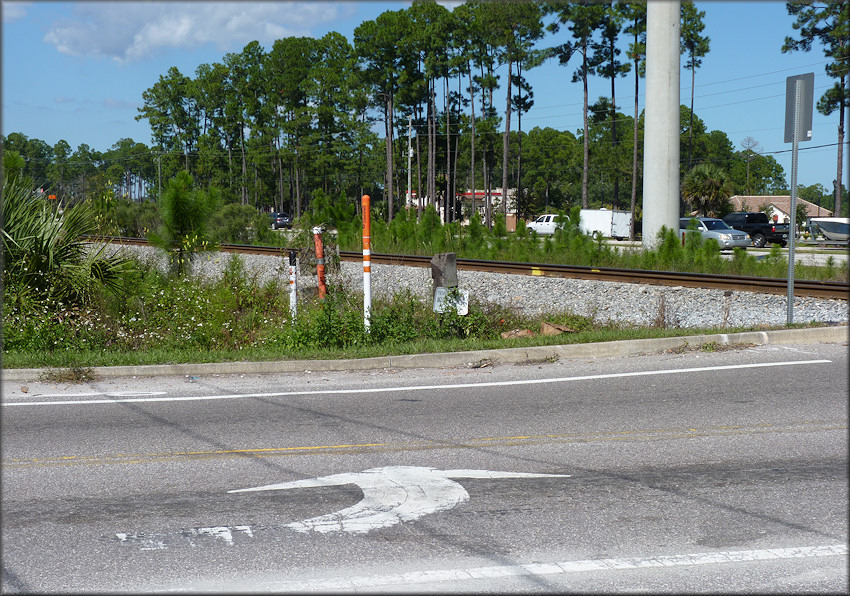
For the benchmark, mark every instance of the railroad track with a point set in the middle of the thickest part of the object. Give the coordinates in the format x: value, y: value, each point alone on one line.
x: 809, y: 288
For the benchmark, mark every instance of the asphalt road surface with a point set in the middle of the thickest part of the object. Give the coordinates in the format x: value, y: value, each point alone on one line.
x: 686, y: 472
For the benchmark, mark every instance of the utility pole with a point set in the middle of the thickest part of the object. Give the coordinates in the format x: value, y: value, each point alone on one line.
x: 661, y: 139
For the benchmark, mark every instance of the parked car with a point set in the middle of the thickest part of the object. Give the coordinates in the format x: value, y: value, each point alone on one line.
x: 711, y: 227
x: 759, y: 227
x: 280, y: 220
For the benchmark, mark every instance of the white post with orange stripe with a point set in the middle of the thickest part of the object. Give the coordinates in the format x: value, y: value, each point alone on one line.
x: 293, y: 287
x: 367, y: 263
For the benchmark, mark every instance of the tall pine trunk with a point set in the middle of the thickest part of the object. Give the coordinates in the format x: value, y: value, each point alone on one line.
x: 448, y: 200
x: 506, y: 141
x: 472, y: 141
x: 634, y: 151
x: 614, y: 134
x: 389, y: 130
x: 584, y: 169
x: 842, y: 105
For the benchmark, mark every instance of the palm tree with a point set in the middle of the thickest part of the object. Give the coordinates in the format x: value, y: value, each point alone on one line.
x: 45, y: 252
x: 707, y: 189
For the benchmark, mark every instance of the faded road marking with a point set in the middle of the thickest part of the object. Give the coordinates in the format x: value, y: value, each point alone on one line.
x: 809, y: 426
x: 414, y: 578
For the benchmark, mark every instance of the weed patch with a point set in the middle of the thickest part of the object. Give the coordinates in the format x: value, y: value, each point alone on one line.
x: 74, y: 374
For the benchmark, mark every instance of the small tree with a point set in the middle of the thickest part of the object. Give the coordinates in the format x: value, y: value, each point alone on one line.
x: 707, y: 189
x: 184, y: 212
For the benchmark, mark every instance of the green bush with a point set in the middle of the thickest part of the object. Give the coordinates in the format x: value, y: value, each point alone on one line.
x: 46, y: 258
x: 235, y: 223
x: 397, y: 320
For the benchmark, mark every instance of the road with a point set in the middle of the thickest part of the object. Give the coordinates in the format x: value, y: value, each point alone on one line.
x: 695, y: 471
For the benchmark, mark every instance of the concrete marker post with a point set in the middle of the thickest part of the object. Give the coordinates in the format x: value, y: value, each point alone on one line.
x: 367, y: 262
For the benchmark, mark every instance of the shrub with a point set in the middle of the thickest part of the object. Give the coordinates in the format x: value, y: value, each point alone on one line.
x: 46, y: 258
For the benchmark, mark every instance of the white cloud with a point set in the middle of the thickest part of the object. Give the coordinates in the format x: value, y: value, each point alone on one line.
x: 120, y: 104
x: 14, y: 11
x: 129, y: 31
x: 107, y: 103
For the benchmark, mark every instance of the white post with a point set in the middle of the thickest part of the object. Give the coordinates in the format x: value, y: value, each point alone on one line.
x: 293, y: 286
x: 661, y: 121
x: 410, y: 165
x: 367, y: 262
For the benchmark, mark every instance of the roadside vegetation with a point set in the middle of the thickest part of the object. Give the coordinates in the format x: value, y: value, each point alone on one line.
x: 425, y: 234
x: 70, y: 304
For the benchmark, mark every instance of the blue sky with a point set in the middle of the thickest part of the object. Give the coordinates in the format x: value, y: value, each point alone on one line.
x: 77, y: 70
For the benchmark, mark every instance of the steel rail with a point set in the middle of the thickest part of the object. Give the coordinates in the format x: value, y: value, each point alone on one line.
x: 808, y: 288
x: 804, y: 288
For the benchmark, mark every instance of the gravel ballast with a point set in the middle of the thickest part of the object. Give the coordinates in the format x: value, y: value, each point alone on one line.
x: 635, y: 304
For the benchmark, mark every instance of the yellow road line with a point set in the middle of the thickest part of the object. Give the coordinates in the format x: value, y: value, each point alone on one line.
x: 468, y: 443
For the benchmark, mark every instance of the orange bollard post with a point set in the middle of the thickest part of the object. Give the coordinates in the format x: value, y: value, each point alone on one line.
x: 320, y: 261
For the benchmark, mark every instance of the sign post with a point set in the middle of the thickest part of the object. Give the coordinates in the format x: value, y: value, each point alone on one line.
x: 799, y: 99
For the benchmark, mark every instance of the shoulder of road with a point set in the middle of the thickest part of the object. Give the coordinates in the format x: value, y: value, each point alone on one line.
x: 477, y: 358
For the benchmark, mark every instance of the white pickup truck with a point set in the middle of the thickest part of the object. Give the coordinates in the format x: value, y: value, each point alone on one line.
x: 543, y: 225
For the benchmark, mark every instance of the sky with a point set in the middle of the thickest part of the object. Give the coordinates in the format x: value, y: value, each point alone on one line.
x: 76, y: 71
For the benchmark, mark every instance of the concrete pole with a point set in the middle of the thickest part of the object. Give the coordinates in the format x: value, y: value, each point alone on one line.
x: 661, y: 120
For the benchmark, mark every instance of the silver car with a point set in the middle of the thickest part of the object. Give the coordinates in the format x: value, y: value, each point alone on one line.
x: 711, y: 227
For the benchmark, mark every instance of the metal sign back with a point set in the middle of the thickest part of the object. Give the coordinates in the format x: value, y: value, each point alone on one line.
x: 807, y: 87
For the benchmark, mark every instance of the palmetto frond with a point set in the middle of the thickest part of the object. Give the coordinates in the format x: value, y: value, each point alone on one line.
x: 46, y: 252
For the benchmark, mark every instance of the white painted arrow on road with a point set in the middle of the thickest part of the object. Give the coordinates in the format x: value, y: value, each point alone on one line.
x: 391, y: 495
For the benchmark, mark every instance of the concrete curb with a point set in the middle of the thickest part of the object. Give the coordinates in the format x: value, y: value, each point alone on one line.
x: 454, y: 359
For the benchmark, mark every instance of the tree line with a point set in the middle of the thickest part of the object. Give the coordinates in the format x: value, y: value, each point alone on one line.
x: 277, y: 128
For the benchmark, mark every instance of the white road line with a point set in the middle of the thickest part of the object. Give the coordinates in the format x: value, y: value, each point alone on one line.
x: 645, y: 373
x: 414, y: 578
x: 106, y: 393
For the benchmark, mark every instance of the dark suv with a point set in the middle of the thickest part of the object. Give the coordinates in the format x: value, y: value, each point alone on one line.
x: 280, y: 220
